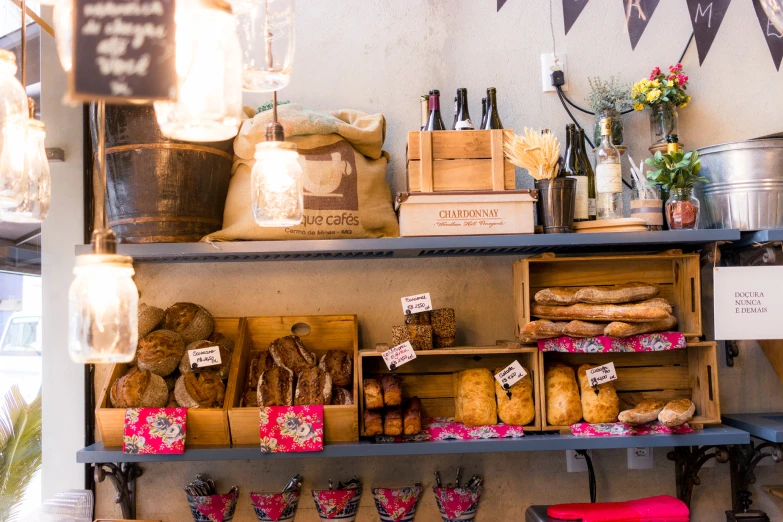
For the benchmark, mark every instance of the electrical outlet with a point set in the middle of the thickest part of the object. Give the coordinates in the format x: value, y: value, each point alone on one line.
x: 640, y: 458
x: 576, y: 462
x: 548, y: 65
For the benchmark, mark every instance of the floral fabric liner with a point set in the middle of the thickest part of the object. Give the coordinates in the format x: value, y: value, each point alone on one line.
x: 291, y: 429
x: 273, y: 505
x: 618, y: 429
x: 456, y: 501
x: 397, y: 502
x: 154, y: 431
x: 652, y: 342
x: 442, y: 428
x: 332, y: 501
x: 215, y: 508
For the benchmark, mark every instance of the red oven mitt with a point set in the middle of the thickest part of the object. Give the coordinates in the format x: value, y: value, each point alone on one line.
x: 653, y: 509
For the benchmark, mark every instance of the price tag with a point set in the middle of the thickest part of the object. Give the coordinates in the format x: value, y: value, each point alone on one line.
x: 510, y: 375
x: 601, y: 374
x: 416, y: 303
x: 201, y: 357
x: 399, y: 355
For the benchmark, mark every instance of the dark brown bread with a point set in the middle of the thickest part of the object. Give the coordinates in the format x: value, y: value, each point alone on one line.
x: 189, y: 320
x: 139, y: 389
x: 392, y: 422
x: 222, y: 341
x: 160, y: 352
x: 412, y: 417
x: 373, y: 394
x: 392, y: 391
x: 313, y: 387
x: 276, y: 387
x: 339, y: 365
x: 291, y: 353
x: 373, y: 423
x: 342, y: 397
x: 200, y: 389
x: 260, y: 363
x: 222, y: 369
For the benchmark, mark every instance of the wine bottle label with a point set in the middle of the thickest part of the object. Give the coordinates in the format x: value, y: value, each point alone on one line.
x: 464, y: 125
x: 591, y: 210
x: 608, y: 178
x: 581, y: 209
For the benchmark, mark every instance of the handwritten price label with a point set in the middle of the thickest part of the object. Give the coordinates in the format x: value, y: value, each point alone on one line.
x: 202, y: 357
x: 601, y: 374
x: 399, y: 355
x: 511, y: 374
x: 416, y: 303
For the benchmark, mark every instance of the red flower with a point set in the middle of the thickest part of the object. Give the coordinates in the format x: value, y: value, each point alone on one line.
x: 655, y: 72
x: 675, y: 68
x: 682, y: 79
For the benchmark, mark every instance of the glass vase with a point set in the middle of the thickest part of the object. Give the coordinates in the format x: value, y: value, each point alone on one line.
x: 617, y: 126
x: 663, y: 122
x: 682, y: 209
x: 646, y: 204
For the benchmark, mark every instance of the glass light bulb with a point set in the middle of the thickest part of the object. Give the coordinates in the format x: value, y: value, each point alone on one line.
x: 209, y: 75
x: 774, y: 10
x: 103, y: 307
x: 276, y: 185
x: 36, y: 185
x: 13, y: 132
x: 63, y: 30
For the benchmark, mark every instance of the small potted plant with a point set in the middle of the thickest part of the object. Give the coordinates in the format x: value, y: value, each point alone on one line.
x: 663, y: 95
x: 677, y: 172
x: 608, y: 99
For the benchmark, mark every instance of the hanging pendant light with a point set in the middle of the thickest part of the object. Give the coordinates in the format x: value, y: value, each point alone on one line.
x: 37, y: 183
x: 209, y: 74
x: 63, y: 30
x: 774, y: 10
x: 13, y: 132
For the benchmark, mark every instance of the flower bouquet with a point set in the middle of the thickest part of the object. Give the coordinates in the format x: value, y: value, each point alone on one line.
x: 663, y: 94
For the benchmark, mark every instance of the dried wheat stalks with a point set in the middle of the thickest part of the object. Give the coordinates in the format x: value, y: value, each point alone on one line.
x: 537, y: 153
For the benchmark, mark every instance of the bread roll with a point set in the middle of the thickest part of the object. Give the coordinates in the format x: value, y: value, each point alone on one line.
x: 583, y: 329
x: 342, y: 397
x: 646, y: 311
x: 200, y: 389
x: 339, y: 364
x: 139, y: 389
x: 617, y: 294
x: 291, y: 353
x: 222, y: 369
x: 276, y: 387
x: 373, y: 394
x: 392, y: 392
x: 392, y: 422
x: 160, y: 352
x: 601, y: 407
x: 313, y: 386
x: 477, y: 392
x: 621, y: 329
x: 189, y: 320
x: 373, y: 423
x: 149, y: 319
x: 644, y: 412
x: 541, y: 329
x: 676, y: 413
x: 563, y: 406
x: 412, y: 417
x: 518, y: 410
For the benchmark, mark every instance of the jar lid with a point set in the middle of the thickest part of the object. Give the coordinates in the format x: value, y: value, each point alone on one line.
x: 36, y: 124
x: 7, y: 56
x: 220, y: 5
x: 280, y: 145
x: 113, y: 260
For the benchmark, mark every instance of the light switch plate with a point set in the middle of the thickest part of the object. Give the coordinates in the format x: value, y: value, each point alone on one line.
x: 576, y: 462
x: 548, y: 66
x: 640, y: 458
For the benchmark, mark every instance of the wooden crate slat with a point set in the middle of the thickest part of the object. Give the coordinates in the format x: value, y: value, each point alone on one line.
x: 443, y: 365
x: 476, y: 144
x: 426, y: 175
x: 620, y: 360
x: 601, y: 272
x: 496, y: 138
x: 466, y: 174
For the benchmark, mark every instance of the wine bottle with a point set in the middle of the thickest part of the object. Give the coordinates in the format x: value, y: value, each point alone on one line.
x: 463, y: 121
x: 584, y: 168
x: 483, y: 113
x: 575, y: 168
x: 570, y: 150
x: 608, y: 175
x: 454, y: 123
x: 425, y: 110
x: 493, y: 118
x: 434, y: 121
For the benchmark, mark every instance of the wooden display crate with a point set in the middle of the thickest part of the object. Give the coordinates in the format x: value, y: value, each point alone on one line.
x: 319, y: 333
x: 458, y: 160
x: 205, y: 427
x: 430, y: 375
x: 677, y: 275
x: 689, y: 373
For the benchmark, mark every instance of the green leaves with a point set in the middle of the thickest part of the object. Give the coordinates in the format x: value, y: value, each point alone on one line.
x: 675, y: 170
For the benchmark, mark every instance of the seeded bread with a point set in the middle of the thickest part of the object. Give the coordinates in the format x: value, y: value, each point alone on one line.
x: 149, y: 319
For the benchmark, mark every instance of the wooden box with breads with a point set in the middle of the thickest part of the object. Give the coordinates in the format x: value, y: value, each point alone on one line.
x: 159, y: 376
x: 297, y: 360
x: 615, y: 296
x: 688, y: 373
x: 436, y: 381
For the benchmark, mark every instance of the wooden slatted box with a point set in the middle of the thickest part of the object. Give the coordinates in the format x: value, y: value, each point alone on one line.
x: 205, y: 427
x: 458, y: 160
x: 690, y: 373
x: 319, y: 333
x: 430, y: 375
x: 677, y: 275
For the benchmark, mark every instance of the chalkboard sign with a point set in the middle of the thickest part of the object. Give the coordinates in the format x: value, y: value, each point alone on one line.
x: 124, y: 51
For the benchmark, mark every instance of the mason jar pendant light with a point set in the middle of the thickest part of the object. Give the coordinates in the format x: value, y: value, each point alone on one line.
x: 13, y: 132
x: 209, y: 75
x: 63, y: 29
x: 37, y: 183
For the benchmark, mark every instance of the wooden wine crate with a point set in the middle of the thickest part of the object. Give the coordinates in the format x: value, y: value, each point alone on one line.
x: 319, y: 333
x: 677, y: 275
x: 205, y: 427
x: 430, y: 375
x: 689, y: 373
x: 458, y: 160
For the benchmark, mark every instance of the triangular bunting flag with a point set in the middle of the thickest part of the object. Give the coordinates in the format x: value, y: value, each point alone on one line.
x: 637, y: 16
x: 771, y: 35
x: 706, y: 17
x: 571, y: 11
x: 501, y: 3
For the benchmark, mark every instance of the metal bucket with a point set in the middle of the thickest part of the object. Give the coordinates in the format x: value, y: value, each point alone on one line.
x: 556, y: 204
x: 746, y: 185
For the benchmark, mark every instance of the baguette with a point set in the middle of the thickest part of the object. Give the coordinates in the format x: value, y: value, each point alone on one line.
x: 541, y: 329
x: 556, y: 296
x: 617, y: 294
x: 583, y: 329
x: 621, y: 329
x: 633, y: 313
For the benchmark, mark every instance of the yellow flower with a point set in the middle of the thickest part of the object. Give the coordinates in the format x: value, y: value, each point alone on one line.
x: 653, y: 95
x: 669, y: 83
x: 685, y: 103
x: 656, y: 83
x: 638, y: 106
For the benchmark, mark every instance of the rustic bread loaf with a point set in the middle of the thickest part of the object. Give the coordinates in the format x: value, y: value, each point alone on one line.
x: 412, y: 417
x: 563, y: 406
x: 189, y: 320
x: 392, y: 390
x: 260, y: 362
x: 276, y: 387
x: 477, y: 396
x: 291, y: 353
x: 373, y: 423
x: 518, y: 410
x: 392, y: 422
x: 139, y: 389
x: 676, y: 413
x: 160, y: 352
x: 541, y: 329
x: 583, y: 329
x: 420, y: 319
x: 603, y: 406
x: 200, y: 389
x: 617, y: 294
x: 313, y: 387
x: 420, y: 337
x: 644, y: 412
x: 172, y: 401
x: 444, y: 327
x: 342, y: 397
x: 171, y: 380
x: 339, y: 365
x: 221, y: 340
x: 373, y: 394
x: 149, y: 319
x: 621, y: 329
x: 645, y: 311
x: 222, y: 369
x: 456, y: 381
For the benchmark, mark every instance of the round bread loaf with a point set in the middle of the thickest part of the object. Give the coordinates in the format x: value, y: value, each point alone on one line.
x: 221, y: 369
x: 139, y: 389
x: 160, y: 352
x: 149, y: 319
x: 171, y: 380
x: 189, y: 320
x: 200, y: 389
x: 221, y: 340
x: 172, y: 401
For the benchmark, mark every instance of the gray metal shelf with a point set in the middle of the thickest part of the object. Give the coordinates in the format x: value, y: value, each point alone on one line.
x: 419, y: 247
x: 717, y: 435
x: 759, y: 236
x: 765, y: 426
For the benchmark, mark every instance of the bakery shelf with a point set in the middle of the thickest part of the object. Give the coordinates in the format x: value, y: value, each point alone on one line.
x: 765, y: 426
x: 418, y: 247
x: 717, y: 435
x: 759, y: 236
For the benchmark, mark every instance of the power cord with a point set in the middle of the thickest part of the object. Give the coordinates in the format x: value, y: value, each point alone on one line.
x: 590, y: 473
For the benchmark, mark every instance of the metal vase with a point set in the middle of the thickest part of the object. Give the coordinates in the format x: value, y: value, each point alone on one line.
x: 556, y: 204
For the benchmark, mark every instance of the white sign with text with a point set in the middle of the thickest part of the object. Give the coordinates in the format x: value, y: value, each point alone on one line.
x: 398, y: 355
x: 201, y: 357
x: 511, y: 374
x: 601, y: 374
x: 748, y: 302
x: 416, y: 303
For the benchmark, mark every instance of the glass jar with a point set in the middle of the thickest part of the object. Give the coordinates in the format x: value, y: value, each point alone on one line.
x: 209, y: 75
x: 13, y: 136
x: 276, y: 185
x: 37, y: 185
x: 617, y: 125
x: 266, y: 33
x: 663, y: 122
x: 646, y: 204
x: 103, y: 308
x: 682, y: 209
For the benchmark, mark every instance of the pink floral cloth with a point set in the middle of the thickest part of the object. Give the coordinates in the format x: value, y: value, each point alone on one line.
x: 332, y: 501
x: 397, y: 502
x: 456, y: 501
x: 217, y: 508
x: 652, y: 342
x: 154, y: 430
x: 618, y: 429
x: 442, y: 428
x: 290, y: 429
x: 274, y: 505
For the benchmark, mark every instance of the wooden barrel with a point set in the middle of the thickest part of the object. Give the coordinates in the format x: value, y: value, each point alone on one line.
x: 160, y: 190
